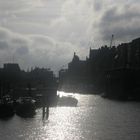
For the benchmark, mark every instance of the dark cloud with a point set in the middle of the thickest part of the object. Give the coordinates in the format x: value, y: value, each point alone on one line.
x: 18, y: 5
x: 4, y: 34
x: 124, y: 24
x: 97, y: 5
x: 3, y: 45
x: 22, y: 50
x: 35, y: 50
x: 19, y: 41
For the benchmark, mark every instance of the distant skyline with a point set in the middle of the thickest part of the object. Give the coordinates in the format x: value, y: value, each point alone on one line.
x: 46, y: 33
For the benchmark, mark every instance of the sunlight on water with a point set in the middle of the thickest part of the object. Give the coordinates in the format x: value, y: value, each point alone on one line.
x: 69, y: 94
x: 93, y: 119
x: 64, y: 122
x: 62, y: 93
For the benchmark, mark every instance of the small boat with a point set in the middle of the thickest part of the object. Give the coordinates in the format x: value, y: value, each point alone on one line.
x: 6, y: 107
x: 67, y: 101
x: 25, y: 107
x: 104, y: 95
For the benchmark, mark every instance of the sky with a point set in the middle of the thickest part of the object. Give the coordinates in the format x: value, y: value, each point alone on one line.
x: 46, y: 33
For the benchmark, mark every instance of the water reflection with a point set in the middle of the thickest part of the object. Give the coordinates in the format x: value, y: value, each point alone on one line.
x: 62, y: 93
x: 93, y: 118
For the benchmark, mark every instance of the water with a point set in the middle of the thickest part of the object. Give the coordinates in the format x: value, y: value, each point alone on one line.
x: 94, y: 118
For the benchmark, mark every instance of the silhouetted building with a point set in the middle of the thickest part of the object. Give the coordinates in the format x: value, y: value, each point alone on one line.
x: 123, y: 81
x: 108, y: 69
x: 11, y: 67
x: 20, y: 83
x: 11, y: 72
x: 77, y: 67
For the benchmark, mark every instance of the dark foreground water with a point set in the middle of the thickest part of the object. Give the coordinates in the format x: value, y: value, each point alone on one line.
x: 94, y: 118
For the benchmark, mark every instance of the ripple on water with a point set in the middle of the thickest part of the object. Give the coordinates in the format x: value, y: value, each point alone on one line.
x: 93, y: 118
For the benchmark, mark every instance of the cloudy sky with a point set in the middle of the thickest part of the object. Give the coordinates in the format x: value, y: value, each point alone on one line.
x: 46, y: 33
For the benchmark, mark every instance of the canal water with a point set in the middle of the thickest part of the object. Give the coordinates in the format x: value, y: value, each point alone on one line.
x: 94, y: 118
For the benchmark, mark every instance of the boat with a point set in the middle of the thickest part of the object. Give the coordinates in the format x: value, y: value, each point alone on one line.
x: 25, y: 107
x: 6, y: 107
x: 67, y: 101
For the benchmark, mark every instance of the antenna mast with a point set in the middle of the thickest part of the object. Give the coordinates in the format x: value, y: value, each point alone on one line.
x: 112, y: 37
